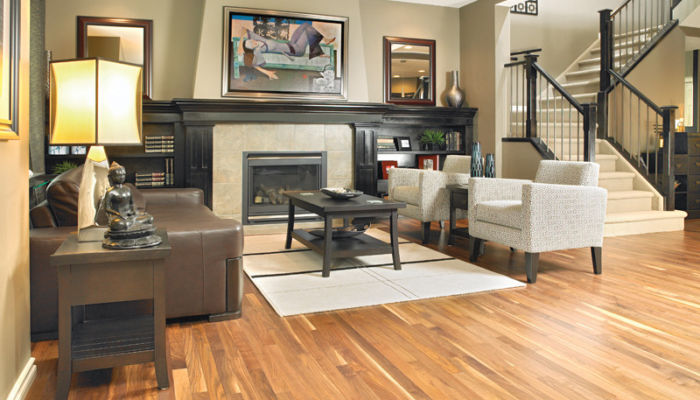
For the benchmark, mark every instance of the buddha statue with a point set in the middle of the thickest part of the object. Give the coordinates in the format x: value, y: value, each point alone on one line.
x: 128, y: 228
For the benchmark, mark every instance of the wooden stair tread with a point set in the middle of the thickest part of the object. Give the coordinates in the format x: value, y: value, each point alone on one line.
x: 615, y: 175
x: 643, y: 215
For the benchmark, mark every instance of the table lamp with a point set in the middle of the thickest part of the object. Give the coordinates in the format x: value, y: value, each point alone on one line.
x: 94, y: 102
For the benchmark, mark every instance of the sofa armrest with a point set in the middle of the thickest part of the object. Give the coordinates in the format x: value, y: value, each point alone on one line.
x: 41, y: 216
x: 173, y: 196
x: 563, y: 216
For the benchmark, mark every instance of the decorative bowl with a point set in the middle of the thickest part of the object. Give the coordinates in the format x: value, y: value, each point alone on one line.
x: 340, y: 193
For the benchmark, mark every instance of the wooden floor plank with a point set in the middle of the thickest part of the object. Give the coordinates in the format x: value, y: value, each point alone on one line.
x: 631, y: 333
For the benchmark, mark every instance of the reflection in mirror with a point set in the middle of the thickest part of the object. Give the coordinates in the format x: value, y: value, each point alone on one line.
x: 409, y: 68
x: 118, y: 39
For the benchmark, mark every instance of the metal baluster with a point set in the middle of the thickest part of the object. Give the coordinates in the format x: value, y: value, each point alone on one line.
x: 578, y: 129
x: 639, y: 132
x: 524, y: 102
x: 562, y: 128
x: 517, y: 100
x: 549, y: 110
x: 626, y: 36
x: 621, y: 135
x: 569, y: 123
x: 646, y: 141
x: 656, y: 149
x: 539, y: 104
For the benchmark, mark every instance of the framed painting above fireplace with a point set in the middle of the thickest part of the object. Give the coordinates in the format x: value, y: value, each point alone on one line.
x: 284, y: 55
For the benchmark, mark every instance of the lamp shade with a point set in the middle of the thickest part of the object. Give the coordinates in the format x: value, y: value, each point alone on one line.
x: 95, y: 101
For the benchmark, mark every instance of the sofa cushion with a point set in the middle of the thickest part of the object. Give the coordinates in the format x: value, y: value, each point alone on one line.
x: 500, y: 212
x: 408, y: 194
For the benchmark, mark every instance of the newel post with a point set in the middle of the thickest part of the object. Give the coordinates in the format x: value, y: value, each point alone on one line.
x: 669, y: 133
x: 606, y: 63
x: 589, y: 131
x: 531, y: 104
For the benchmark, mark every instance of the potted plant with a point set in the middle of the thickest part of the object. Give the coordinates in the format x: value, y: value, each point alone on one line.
x: 432, y: 139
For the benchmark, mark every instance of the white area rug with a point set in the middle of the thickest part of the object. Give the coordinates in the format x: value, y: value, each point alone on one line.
x: 291, y: 279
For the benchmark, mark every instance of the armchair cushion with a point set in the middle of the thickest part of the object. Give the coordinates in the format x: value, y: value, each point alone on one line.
x: 501, y: 212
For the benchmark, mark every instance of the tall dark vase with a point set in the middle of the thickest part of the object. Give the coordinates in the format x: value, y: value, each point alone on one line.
x: 477, y: 168
x: 455, y: 95
x: 490, y: 166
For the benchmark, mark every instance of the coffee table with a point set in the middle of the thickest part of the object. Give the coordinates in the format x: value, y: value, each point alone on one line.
x: 329, y: 208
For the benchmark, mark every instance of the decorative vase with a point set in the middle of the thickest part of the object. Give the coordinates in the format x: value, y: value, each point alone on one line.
x: 455, y: 95
x: 490, y: 166
x: 477, y: 167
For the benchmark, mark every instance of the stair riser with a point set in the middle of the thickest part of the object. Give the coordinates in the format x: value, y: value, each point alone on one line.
x: 616, y: 184
x: 644, y: 226
x: 558, y: 103
x: 581, y: 89
x: 543, y: 116
x: 628, y: 205
x: 558, y: 144
x: 606, y: 165
x: 572, y: 77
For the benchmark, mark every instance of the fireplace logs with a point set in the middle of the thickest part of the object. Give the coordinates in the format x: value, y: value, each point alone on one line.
x: 269, y: 195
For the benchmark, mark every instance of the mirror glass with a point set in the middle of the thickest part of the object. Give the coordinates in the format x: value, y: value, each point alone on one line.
x: 118, y: 39
x: 409, y: 70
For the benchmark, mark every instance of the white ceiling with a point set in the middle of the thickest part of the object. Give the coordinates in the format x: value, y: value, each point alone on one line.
x: 441, y: 3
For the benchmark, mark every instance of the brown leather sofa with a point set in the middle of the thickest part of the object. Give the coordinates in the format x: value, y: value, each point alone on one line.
x: 204, y: 272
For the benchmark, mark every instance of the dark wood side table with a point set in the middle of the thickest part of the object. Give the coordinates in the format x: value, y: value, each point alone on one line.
x: 328, y: 208
x: 459, y: 199
x: 89, y: 274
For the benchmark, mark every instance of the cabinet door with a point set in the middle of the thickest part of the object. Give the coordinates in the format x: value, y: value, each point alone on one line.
x: 365, y: 160
x: 198, y: 159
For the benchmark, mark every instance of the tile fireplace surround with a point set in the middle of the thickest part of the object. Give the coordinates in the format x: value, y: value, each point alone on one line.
x: 231, y: 140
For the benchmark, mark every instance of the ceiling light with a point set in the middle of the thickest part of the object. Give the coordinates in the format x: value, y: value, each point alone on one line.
x: 421, y: 70
x: 397, y: 76
x: 408, y: 47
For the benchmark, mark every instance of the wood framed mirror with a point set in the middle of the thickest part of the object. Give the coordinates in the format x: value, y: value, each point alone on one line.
x: 409, y: 71
x: 119, y: 39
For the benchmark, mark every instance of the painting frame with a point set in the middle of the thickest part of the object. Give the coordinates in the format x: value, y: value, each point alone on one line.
x: 9, y: 70
x: 289, y: 76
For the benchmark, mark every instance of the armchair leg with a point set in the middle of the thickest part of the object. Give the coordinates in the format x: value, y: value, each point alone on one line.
x: 475, y: 248
x: 531, y: 262
x: 597, y: 256
x: 426, y: 232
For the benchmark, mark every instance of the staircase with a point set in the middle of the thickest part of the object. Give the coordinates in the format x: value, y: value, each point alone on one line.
x: 634, y: 206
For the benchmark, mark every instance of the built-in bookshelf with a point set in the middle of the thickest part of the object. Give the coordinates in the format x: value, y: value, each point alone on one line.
x: 157, y: 162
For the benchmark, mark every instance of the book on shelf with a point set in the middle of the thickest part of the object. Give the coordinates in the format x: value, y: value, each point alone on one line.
x: 148, y: 184
x: 385, y: 143
x: 159, y: 150
x: 453, y: 141
x: 148, y: 174
x: 151, y: 138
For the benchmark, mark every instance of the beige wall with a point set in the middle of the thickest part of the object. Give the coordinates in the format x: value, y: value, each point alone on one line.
x: 187, y: 52
x: 523, y: 160
x: 563, y: 30
x: 481, y: 63
x: 385, y: 18
x: 15, y: 348
x: 176, y: 28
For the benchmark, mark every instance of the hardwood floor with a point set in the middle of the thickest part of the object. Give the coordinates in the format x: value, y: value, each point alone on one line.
x: 631, y: 333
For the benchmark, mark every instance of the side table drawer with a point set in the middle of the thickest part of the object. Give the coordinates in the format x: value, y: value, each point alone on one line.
x: 694, y: 165
x: 694, y: 183
x: 694, y: 201
x: 680, y: 164
x: 694, y: 146
x: 121, y: 281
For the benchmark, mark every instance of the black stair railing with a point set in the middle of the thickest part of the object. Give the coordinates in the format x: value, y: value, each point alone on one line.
x: 543, y: 112
x: 638, y: 128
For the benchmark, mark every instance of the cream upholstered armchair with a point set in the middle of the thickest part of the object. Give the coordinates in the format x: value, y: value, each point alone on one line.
x: 424, y: 191
x: 562, y: 209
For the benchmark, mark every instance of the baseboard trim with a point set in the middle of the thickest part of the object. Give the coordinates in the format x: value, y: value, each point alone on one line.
x: 24, y: 381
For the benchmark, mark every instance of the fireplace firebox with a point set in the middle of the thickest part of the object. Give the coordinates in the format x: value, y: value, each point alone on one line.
x: 266, y: 175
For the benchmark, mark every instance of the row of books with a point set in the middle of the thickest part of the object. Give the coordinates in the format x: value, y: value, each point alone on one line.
x: 453, y: 141
x: 159, y: 144
x: 156, y: 179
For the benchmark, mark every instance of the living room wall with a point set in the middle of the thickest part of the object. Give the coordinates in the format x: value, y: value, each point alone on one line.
x: 176, y: 28
x: 188, y: 34
x: 563, y: 29
x: 15, y: 350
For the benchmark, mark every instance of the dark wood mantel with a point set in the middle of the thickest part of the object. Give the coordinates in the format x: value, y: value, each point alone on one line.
x: 194, y: 120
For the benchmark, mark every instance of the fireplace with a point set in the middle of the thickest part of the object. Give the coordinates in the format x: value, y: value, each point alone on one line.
x: 266, y: 175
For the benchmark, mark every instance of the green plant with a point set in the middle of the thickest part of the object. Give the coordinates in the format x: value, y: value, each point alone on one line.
x: 63, y: 166
x: 432, y: 136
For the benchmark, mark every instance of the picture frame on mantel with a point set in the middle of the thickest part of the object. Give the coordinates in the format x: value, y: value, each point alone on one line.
x: 284, y: 55
x: 9, y: 45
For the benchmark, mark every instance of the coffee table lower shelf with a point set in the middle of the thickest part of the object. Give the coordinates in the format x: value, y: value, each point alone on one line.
x: 360, y: 245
